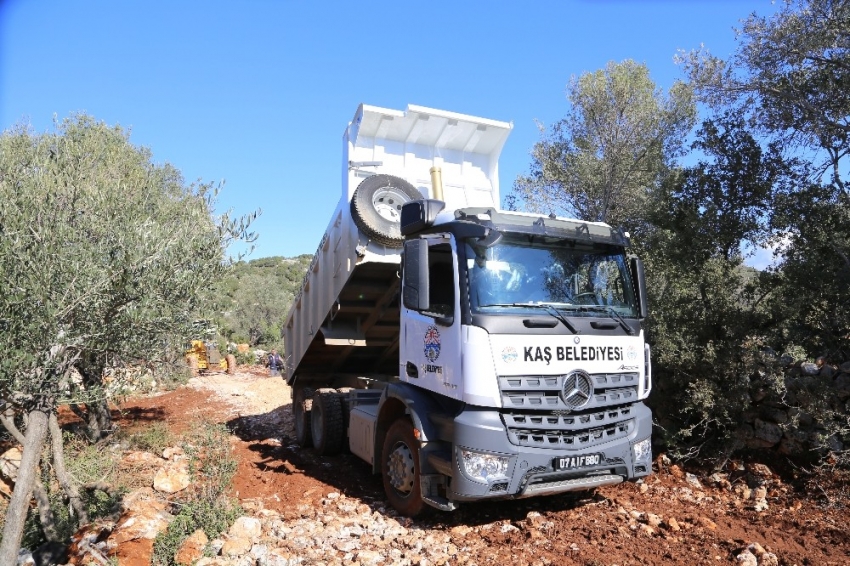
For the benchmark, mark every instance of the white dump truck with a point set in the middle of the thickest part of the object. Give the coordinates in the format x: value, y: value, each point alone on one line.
x: 465, y: 352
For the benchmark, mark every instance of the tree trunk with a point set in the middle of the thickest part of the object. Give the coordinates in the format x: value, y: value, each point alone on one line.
x: 45, y: 513
x: 16, y: 514
x: 97, y: 417
x: 62, y: 474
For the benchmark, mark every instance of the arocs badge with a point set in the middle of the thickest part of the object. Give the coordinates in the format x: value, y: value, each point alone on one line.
x: 432, y: 344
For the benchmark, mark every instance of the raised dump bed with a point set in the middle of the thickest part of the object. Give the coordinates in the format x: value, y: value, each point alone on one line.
x: 345, y: 319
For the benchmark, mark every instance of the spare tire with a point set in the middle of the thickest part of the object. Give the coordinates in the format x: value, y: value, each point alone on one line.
x: 376, y: 207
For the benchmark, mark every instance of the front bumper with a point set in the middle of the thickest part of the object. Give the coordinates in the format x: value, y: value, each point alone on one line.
x: 531, y: 471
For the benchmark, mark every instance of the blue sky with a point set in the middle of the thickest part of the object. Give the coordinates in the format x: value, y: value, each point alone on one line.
x: 257, y: 93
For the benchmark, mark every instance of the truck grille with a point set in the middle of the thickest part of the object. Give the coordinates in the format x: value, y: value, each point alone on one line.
x: 548, y: 392
x: 565, y: 439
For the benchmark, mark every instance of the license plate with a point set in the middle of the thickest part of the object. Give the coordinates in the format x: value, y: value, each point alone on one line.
x: 573, y: 462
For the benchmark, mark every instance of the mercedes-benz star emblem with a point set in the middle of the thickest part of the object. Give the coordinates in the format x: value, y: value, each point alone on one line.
x: 578, y: 389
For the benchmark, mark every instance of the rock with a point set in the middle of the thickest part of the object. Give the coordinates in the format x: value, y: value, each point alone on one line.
x: 708, y: 523
x: 25, y: 558
x: 842, y: 385
x: 827, y: 372
x: 192, y: 548
x: 765, y: 433
x: 760, y: 492
x: 845, y: 367
x: 808, y: 368
x: 172, y: 453
x: 760, y: 505
x: 785, y: 360
x: 460, y: 530
x: 136, y: 458
x: 720, y: 480
x: 768, y: 559
x: 246, y: 527
x: 646, y: 530
x: 673, y: 524
x: 747, y: 558
x: 145, y: 516
x: 172, y: 477
x: 236, y: 546
x: 10, y: 463
x: 693, y: 481
x: 369, y: 558
x: 653, y: 520
x: 793, y: 442
x: 774, y: 415
x: 677, y: 471
x: 756, y: 549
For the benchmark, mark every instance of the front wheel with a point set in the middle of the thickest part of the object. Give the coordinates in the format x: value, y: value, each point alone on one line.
x: 400, y: 469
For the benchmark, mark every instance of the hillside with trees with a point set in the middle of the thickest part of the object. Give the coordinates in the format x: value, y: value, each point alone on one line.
x: 253, y: 299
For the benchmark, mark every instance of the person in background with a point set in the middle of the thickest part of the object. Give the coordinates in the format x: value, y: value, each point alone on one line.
x: 275, y: 363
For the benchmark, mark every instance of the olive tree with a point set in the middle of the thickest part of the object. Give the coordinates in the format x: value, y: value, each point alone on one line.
x: 104, y: 254
x: 602, y: 160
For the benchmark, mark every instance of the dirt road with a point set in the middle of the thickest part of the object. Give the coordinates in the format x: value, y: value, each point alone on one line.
x: 674, y: 517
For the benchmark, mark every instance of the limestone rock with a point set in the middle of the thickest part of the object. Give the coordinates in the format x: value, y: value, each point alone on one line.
x: 246, y: 527
x: 10, y: 463
x: 145, y: 516
x: 747, y: 558
x: 192, y: 548
x: 172, y: 477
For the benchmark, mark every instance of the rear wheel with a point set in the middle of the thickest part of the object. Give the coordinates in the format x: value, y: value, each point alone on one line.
x: 326, y: 422
x: 376, y: 207
x: 400, y: 469
x: 346, y: 405
x: 302, y: 404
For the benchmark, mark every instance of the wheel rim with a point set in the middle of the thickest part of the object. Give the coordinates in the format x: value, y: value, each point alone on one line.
x: 388, y: 202
x: 400, y: 468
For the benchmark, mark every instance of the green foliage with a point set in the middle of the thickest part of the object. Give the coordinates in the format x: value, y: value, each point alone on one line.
x: 153, y: 438
x: 212, y: 516
x: 255, y: 298
x: 104, y: 255
x: 619, y: 136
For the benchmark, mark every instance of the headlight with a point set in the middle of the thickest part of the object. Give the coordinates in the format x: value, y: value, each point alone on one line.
x: 484, y: 467
x: 643, y: 450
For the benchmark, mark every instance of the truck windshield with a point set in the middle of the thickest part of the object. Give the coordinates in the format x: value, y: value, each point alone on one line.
x: 520, y: 273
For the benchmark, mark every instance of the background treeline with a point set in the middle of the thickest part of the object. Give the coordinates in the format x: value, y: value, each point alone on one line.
x: 249, y: 306
x: 741, y: 359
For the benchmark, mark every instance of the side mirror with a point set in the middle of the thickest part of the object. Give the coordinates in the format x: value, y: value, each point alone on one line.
x: 415, y: 273
x: 636, y: 268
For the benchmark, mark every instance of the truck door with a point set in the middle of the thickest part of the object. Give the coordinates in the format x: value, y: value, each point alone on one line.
x: 430, y: 347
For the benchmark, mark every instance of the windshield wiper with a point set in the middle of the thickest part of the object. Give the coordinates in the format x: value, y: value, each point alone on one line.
x: 613, y: 314
x: 544, y: 306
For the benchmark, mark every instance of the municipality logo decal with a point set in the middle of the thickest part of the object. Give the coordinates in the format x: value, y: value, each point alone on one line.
x: 432, y: 344
x: 509, y: 354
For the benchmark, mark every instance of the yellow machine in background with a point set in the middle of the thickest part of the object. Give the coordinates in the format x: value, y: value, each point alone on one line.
x: 204, y: 356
